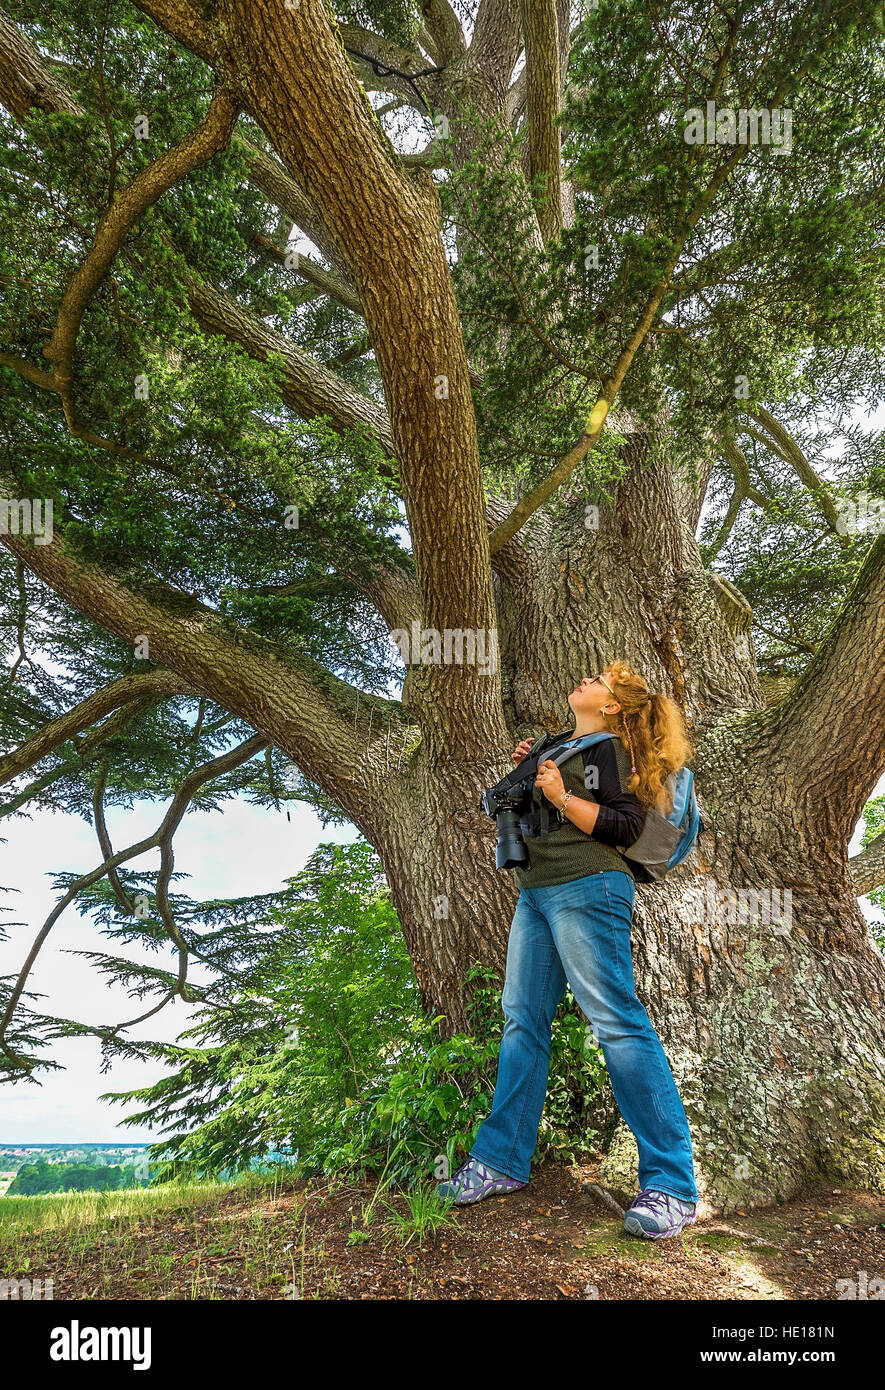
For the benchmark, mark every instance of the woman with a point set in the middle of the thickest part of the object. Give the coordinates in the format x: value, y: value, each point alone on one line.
x: 572, y: 923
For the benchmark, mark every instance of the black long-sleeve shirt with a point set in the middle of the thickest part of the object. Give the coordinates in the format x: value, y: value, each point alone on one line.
x: 569, y: 852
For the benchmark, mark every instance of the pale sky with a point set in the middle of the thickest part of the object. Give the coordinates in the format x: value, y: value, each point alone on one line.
x: 244, y: 849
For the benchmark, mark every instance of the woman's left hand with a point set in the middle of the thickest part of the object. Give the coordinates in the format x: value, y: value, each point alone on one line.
x: 549, y: 780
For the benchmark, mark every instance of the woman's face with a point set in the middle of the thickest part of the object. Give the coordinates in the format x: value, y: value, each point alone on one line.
x: 592, y: 695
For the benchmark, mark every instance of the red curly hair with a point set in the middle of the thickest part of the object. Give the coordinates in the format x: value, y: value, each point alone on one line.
x: 651, y: 727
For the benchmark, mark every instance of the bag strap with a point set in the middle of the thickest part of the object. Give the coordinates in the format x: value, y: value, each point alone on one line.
x: 579, y: 745
x: 555, y: 755
x: 526, y: 769
x: 562, y: 755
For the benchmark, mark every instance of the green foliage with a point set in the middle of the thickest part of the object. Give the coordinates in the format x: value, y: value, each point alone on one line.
x: 793, y: 570
x: 427, y: 1104
x: 309, y: 990
x: 421, y: 1119
x: 33, y: 1178
x: 316, y: 1052
x: 777, y: 283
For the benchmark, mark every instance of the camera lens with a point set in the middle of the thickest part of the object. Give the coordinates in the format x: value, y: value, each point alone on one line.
x: 510, y: 852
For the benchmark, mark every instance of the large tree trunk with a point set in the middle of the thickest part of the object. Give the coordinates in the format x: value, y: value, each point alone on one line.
x: 773, y: 1027
x: 769, y: 1007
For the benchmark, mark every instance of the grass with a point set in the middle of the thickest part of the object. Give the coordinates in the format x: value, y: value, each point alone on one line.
x: 74, y: 1211
x: 426, y: 1215
x: 197, y: 1240
x: 115, y: 1236
x: 264, y: 1237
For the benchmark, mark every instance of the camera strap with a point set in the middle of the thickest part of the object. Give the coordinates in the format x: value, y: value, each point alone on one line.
x: 553, y: 754
x: 542, y: 817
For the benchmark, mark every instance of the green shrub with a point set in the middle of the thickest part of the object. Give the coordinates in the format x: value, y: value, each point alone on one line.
x: 421, y: 1120
x: 317, y: 1052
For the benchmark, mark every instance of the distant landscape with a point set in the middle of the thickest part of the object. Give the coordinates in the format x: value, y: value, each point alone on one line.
x: 28, y: 1169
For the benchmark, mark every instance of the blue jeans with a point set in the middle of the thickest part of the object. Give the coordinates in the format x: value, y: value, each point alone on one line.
x: 580, y: 932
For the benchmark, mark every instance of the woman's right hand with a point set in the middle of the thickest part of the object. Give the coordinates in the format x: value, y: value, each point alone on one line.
x: 523, y: 749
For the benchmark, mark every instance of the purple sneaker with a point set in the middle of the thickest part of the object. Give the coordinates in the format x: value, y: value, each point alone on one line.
x: 475, y: 1180
x: 657, y: 1215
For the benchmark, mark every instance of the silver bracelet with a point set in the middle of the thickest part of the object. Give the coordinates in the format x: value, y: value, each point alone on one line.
x: 568, y: 797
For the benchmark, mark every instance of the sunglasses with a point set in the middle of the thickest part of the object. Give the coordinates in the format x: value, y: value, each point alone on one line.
x: 604, y: 682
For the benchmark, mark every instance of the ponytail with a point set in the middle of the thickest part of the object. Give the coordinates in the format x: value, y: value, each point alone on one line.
x: 653, y: 730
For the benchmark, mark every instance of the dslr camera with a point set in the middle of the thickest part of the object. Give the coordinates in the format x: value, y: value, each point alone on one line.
x: 511, y: 803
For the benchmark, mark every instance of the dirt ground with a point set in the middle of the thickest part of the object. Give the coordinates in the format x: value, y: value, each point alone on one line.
x: 554, y: 1239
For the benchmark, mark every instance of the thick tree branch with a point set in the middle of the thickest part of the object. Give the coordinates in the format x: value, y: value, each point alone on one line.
x: 496, y: 42
x: 515, y: 100
x: 830, y: 738
x: 197, y: 147
x: 384, y: 51
x: 444, y: 28
x: 139, y: 687
x: 429, y: 50
x: 306, y: 385
x: 868, y: 867
x: 433, y: 156
x: 542, y: 67
x: 321, y: 722
x: 26, y: 80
